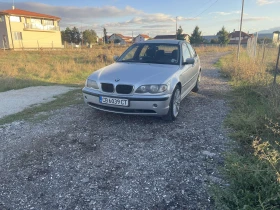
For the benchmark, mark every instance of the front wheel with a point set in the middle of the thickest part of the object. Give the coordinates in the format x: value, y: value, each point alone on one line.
x: 174, y: 105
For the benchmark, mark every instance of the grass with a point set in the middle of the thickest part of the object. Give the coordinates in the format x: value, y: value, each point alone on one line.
x: 253, y: 168
x: 19, y: 69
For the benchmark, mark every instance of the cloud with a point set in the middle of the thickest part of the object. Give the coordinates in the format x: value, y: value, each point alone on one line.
x: 67, y: 12
x: 252, y: 19
x: 150, y: 19
x: 225, y: 13
x: 264, y: 2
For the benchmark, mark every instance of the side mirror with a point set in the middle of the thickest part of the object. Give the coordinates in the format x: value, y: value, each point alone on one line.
x: 116, y: 58
x: 189, y: 61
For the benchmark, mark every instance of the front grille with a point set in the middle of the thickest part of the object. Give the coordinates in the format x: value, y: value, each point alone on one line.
x: 107, y: 87
x: 124, y: 89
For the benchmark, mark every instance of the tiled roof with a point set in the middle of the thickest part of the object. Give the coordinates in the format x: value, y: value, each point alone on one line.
x: 25, y: 13
x: 236, y: 34
x: 144, y: 36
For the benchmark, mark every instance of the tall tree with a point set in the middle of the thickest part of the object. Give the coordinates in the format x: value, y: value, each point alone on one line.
x: 66, y: 35
x: 223, y: 36
x: 196, y: 37
x: 75, y: 36
x: 105, y: 35
x: 180, y: 35
x: 89, y: 36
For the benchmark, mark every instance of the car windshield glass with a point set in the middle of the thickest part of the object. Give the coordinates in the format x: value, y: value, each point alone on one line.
x: 159, y: 53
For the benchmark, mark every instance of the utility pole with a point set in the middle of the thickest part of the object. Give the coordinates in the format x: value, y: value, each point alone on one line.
x: 276, y: 68
x: 176, y: 28
x: 238, y: 51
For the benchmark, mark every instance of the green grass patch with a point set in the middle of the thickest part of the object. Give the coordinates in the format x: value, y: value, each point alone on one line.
x: 41, y: 111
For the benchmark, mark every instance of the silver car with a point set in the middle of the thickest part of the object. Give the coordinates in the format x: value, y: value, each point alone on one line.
x: 149, y: 78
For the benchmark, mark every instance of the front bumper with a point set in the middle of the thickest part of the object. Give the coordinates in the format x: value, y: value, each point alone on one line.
x: 157, y: 105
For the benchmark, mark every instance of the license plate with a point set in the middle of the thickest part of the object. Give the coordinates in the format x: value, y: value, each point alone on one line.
x: 113, y: 101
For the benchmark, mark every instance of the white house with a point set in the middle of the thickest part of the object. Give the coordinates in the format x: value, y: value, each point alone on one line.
x: 119, y: 38
x: 141, y: 38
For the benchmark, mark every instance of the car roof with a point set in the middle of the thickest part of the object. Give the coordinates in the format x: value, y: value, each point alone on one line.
x: 164, y: 41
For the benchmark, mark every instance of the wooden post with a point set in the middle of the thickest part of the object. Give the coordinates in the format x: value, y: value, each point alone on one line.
x: 52, y: 44
x: 38, y: 44
x: 4, y: 45
x: 276, y: 68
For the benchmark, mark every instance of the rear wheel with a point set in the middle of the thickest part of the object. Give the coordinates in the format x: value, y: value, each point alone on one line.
x: 196, y: 87
x: 174, y: 105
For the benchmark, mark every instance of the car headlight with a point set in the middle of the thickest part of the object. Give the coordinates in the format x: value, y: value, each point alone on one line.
x: 152, y: 89
x: 91, y: 84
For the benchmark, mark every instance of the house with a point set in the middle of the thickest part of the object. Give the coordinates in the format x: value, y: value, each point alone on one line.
x: 24, y: 29
x: 234, y: 37
x: 120, y: 39
x: 276, y: 37
x: 141, y: 38
x: 186, y: 37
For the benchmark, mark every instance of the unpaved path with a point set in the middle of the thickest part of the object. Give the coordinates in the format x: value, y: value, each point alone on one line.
x: 15, y: 101
x: 80, y: 158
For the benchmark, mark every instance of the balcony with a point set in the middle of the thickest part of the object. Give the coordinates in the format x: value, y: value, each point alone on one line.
x: 40, y: 27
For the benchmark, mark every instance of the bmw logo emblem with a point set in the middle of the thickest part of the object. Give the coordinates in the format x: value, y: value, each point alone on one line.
x: 117, y: 80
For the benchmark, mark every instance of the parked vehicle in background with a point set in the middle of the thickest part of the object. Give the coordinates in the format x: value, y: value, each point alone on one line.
x: 149, y: 78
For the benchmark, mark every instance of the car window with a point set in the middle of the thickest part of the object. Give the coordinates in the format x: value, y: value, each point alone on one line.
x: 186, y: 52
x: 129, y: 54
x: 158, y: 53
x: 192, y: 51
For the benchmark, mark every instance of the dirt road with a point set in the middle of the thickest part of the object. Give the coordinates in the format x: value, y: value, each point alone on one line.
x: 80, y: 158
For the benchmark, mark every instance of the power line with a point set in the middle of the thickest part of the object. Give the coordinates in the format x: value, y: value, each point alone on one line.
x: 206, y: 8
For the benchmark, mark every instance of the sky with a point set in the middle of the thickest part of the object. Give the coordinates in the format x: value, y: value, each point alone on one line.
x: 157, y: 17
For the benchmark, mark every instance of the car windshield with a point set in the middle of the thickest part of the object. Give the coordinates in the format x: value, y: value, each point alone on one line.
x: 152, y: 53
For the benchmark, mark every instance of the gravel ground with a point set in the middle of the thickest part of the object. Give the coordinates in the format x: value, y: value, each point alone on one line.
x: 80, y: 158
x: 14, y: 101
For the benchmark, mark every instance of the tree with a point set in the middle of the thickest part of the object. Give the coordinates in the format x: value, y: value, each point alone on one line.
x: 196, y: 37
x: 66, y: 35
x: 180, y: 35
x: 223, y: 36
x: 75, y: 36
x: 89, y: 36
x: 105, y: 35
x: 214, y: 41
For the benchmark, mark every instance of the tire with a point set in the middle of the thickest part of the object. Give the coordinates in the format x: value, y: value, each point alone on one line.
x: 174, y: 105
x: 196, y: 87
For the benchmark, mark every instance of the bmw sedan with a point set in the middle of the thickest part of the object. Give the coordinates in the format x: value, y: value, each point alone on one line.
x: 149, y: 78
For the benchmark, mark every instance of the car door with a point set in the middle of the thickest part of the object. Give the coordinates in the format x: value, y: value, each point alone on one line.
x: 188, y: 72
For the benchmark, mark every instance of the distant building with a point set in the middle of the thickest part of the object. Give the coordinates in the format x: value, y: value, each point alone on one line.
x: 276, y: 37
x: 234, y: 37
x: 186, y: 37
x: 120, y: 39
x: 25, y: 29
x: 141, y: 38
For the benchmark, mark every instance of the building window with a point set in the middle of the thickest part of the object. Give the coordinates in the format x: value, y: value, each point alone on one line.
x: 36, y: 21
x: 14, y: 18
x: 17, y: 35
x: 2, y: 18
x: 49, y: 22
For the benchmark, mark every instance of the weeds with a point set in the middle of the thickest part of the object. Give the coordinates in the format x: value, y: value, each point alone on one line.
x: 252, y: 169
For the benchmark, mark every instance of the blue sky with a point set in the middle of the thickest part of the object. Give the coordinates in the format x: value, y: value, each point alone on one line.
x: 155, y: 17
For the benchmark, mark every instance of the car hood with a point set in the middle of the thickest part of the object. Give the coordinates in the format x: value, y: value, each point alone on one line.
x: 135, y: 73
